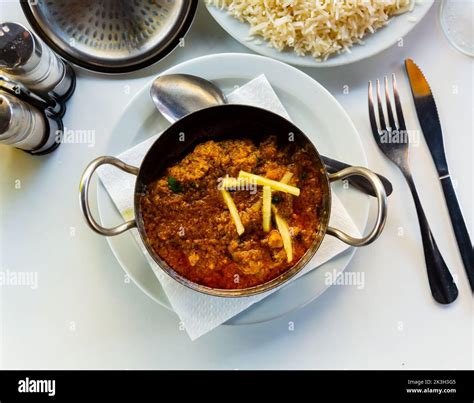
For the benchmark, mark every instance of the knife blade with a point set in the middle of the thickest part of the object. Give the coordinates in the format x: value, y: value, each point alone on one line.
x: 428, y: 117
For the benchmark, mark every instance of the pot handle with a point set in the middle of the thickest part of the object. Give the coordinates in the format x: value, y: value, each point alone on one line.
x: 84, y: 195
x: 381, y: 196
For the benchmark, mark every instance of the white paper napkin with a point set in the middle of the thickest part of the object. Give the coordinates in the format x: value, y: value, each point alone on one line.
x: 200, y: 313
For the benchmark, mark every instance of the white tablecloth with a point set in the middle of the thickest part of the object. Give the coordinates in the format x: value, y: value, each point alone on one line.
x: 85, y: 314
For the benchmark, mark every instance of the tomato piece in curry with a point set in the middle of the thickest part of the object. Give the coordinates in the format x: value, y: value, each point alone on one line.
x: 188, y: 224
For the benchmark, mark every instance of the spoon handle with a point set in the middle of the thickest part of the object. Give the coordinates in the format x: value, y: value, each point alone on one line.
x: 358, y: 182
x: 442, y: 286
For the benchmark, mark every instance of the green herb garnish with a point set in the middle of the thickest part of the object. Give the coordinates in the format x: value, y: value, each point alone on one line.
x: 276, y: 199
x: 174, y: 185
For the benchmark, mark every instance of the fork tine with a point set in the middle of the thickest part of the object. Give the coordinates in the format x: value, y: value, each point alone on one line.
x: 398, y: 105
x: 373, y: 120
x: 388, y: 103
x: 382, y: 122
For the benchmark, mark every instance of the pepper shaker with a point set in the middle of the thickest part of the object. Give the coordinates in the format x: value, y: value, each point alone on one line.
x: 27, y: 127
x: 25, y: 59
x: 21, y: 125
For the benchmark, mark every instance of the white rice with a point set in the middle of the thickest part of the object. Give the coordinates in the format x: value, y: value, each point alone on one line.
x: 313, y: 27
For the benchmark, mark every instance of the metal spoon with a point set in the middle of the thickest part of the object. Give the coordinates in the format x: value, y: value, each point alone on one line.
x: 177, y: 95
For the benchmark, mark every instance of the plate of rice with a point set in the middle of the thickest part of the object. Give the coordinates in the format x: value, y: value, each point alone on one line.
x: 318, y: 33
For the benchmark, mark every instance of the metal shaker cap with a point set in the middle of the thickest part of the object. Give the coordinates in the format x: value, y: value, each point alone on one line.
x: 17, y: 45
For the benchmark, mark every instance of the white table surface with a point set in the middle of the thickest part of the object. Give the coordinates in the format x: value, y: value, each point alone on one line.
x: 84, y: 315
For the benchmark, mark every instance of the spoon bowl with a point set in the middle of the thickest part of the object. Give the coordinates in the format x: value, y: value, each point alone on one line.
x: 178, y: 95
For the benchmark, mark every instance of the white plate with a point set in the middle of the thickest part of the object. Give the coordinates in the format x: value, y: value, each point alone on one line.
x: 311, y: 107
x: 387, y: 36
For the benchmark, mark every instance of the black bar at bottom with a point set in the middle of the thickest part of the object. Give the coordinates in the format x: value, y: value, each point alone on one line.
x: 408, y: 386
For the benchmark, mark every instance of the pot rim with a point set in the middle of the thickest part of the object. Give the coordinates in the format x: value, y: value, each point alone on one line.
x: 283, y: 277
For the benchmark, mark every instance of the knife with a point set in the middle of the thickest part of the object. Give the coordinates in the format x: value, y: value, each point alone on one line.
x: 431, y: 127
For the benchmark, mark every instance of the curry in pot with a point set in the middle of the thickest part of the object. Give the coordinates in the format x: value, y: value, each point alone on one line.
x: 234, y: 214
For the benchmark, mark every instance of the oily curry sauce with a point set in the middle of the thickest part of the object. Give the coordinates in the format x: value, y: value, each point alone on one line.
x: 188, y: 224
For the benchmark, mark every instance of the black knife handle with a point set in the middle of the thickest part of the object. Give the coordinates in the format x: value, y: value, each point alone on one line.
x: 442, y: 286
x: 459, y: 227
x: 358, y: 182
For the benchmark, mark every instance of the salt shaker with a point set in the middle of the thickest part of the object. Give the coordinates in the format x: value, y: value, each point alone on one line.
x: 21, y: 125
x: 25, y: 59
x: 27, y: 127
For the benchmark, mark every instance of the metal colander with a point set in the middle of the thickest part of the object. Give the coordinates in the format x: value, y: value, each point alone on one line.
x: 111, y: 36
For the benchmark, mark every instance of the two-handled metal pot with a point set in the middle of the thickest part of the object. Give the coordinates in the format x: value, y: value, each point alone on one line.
x: 219, y: 123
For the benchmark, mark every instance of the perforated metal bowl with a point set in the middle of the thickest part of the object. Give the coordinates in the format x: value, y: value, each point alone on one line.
x: 111, y: 36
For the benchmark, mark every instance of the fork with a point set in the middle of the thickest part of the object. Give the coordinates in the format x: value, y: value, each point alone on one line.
x: 393, y: 142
